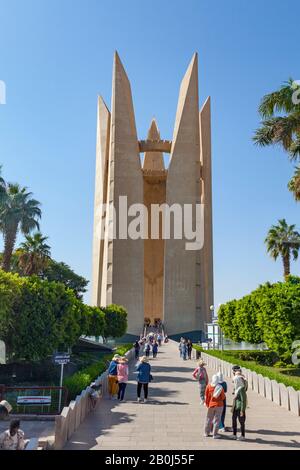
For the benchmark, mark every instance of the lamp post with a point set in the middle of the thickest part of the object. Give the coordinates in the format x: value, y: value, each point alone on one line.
x: 212, y: 309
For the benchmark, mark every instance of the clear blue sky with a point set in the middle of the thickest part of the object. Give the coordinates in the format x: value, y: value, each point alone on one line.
x: 56, y: 56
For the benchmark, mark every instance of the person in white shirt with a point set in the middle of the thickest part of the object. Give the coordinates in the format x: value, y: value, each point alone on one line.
x: 13, y: 438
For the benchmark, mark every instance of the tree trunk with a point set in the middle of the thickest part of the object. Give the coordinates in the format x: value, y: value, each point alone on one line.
x: 286, y: 265
x: 9, y: 244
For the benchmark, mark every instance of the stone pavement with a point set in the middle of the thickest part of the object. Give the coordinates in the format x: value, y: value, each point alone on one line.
x: 173, y: 418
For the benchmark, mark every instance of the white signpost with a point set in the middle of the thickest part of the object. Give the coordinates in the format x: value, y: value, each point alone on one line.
x: 62, y: 359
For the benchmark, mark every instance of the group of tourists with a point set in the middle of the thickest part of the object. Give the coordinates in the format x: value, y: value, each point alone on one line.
x: 118, y: 370
x: 148, y: 344
x: 185, y: 348
x: 213, y: 396
x: 212, y: 392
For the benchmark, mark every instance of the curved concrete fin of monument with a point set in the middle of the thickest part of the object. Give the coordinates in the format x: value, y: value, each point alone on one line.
x: 153, y: 160
x: 102, y: 155
x: 186, y: 130
x: 102, y: 104
x: 103, y: 133
x: 205, y: 134
x: 123, y: 126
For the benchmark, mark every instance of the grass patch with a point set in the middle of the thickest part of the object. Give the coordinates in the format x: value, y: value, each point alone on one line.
x: 289, y: 375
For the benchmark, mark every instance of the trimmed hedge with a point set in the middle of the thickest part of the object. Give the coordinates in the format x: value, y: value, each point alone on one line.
x: 83, y: 378
x: 284, y: 376
x: 270, y: 314
x: 39, y: 317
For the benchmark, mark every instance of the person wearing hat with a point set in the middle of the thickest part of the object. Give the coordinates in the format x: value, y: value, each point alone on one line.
x: 143, y: 378
x: 5, y: 409
x: 13, y: 438
x: 214, y: 400
x: 112, y: 377
x: 122, y: 375
x: 201, y: 375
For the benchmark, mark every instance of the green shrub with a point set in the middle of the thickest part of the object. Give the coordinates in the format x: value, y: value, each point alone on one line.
x: 226, y: 315
x: 38, y: 317
x: 265, y: 358
x: 115, y: 321
x: 47, y: 318
x: 269, y: 314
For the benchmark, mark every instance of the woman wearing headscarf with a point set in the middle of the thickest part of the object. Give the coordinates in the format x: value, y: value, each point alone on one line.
x: 239, y: 406
x: 201, y: 375
x: 214, y: 400
x: 224, y: 385
x: 184, y: 349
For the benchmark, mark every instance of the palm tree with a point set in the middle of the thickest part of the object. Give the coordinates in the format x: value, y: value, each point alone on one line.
x: 294, y: 184
x: 33, y: 254
x: 281, y: 120
x: 18, y: 212
x: 283, y: 240
x: 2, y: 185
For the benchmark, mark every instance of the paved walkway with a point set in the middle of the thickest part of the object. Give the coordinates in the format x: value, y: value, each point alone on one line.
x: 173, y: 418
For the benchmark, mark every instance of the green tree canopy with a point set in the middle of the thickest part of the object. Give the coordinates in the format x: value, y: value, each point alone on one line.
x: 269, y: 314
x: 115, y: 321
x: 48, y: 317
x: 38, y: 317
x: 61, y: 272
x: 226, y: 315
x: 10, y: 293
x: 96, y: 325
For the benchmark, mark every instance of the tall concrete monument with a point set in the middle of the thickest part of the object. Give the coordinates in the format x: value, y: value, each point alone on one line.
x: 154, y: 276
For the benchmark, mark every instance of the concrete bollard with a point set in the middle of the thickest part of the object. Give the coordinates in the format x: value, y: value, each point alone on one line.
x: 78, y: 404
x: 61, y: 429
x: 268, y: 389
x: 276, y: 392
x: 284, y: 396
x: 261, y: 385
x: 294, y: 401
x: 255, y: 382
x: 72, y: 418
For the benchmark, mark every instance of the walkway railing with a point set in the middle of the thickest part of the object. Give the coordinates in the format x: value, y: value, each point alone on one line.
x: 287, y: 397
x: 73, y: 415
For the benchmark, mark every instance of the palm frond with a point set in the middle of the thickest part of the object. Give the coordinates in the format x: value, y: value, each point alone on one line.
x: 278, y: 101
